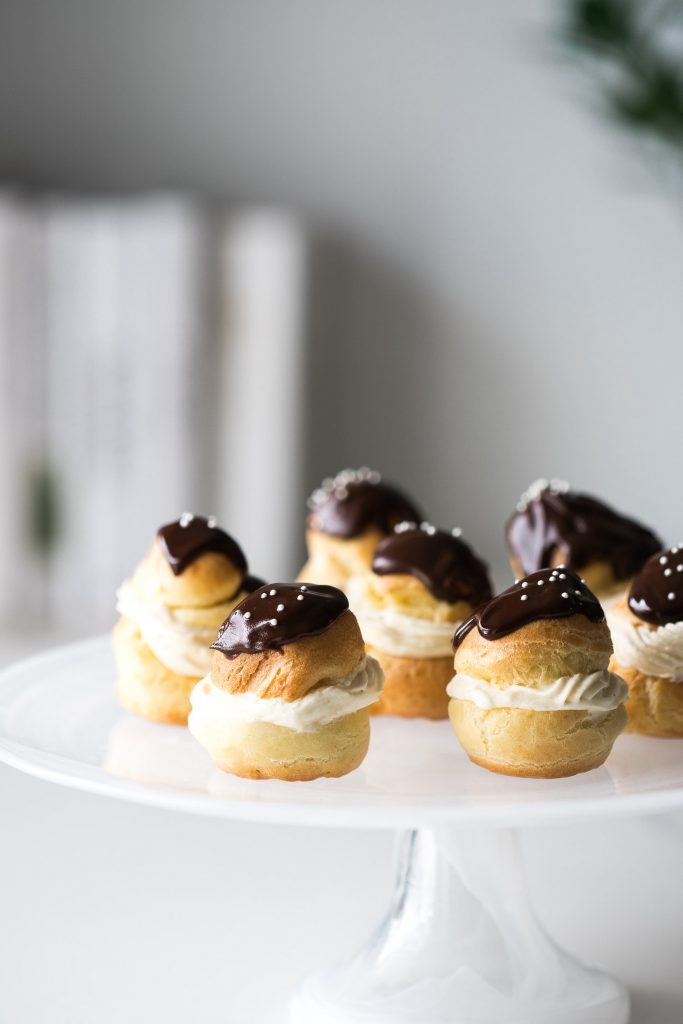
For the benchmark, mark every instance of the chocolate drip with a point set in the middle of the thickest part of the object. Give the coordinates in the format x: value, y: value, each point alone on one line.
x: 355, y: 501
x: 551, y: 519
x: 446, y: 565
x: 548, y: 594
x: 279, y: 614
x: 187, y: 538
x: 656, y: 595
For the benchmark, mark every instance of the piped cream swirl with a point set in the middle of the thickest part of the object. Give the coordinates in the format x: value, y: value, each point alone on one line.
x: 405, y: 636
x: 214, y: 711
x: 182, y: 648
x: 597, y: 692
x: 654, y: 652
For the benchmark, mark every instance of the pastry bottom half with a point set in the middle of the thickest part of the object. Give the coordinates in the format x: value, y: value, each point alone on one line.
x: 413, y: 687
x: 535, y: 744
x: 145, y: 686
x: 654, y: 705
x: 262, y: 750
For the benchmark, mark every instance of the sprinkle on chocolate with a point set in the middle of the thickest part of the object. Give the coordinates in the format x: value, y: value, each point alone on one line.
x: 445, y: 564
x: 357, y: 500
x: 550, y: 518
x: 651, y: 596
x: 505, y: 613
x: 253, y: 627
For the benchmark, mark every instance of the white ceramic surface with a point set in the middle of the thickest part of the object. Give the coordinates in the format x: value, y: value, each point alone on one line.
x: 59, y: 720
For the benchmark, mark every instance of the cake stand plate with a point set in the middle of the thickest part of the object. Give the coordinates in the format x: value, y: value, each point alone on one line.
x: 461, y: 944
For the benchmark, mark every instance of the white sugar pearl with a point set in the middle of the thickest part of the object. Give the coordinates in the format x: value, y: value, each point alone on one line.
x: 540, y: 583
x: 304, y: 587
x: 663, y: 560
x: 525, y: 583
x: 273, y: 622
x: 562, y: 576
x: 280, y: 608
x: 247, y: 615
x: 211, y: 522
x: 524, y: 597
x: 668, y: 572
x: 299, y: 597
x: 679, y: 568
x: 272, y: 593
x: 565, y: 594
x: 671, y: 595
x: 264, y: 596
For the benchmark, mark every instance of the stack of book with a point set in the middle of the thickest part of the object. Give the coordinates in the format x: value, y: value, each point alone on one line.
x: 148, y: 365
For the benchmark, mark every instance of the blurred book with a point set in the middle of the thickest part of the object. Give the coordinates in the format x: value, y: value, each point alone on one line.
x: 127, y: 400
x: 262, y: 379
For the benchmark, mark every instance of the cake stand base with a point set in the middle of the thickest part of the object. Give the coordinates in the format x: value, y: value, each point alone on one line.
x: 460, y: 945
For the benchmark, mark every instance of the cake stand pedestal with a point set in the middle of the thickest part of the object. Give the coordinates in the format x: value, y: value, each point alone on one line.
x: 460, y: 944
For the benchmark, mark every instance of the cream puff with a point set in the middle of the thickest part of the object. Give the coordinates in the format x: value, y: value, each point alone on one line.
x: 191, y: 578
x: 422, y: 584
x: 554, y: 526
x: 349, y: 516
x: 647, y: 633
x: 532, y: 693
x: 289, y: 689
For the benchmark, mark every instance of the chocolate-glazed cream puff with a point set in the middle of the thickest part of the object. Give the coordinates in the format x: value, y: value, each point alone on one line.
x: 554, y: 526
x: 647, y: 633
x: 349, y: 515
x: 422, y: 584
x: 192, y: 577
x: 289, y: 689
x: 532, y: 693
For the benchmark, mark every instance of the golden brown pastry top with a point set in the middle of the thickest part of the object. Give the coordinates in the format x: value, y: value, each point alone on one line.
x: 295, y: 669
x: 538, y: 653
x: 406, y: 595
x: 210, y: 579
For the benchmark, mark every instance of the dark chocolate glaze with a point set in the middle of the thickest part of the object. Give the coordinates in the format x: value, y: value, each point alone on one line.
x: 656, y: 594
x: 187, y: 538
x: 551, y: 519
x: 355, y: 501
x: 446, y: 565
x: 547, y: 594
x: 252, y: 583
x: 278, y: 614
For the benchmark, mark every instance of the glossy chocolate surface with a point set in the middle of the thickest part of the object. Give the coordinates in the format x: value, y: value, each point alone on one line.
x: 278, y: 614
x: 444, y: 563
x: 656, y: 594
x: 355, y: 501
x: 552, y: 519
x: 547, y: 594
x: 184, y: 540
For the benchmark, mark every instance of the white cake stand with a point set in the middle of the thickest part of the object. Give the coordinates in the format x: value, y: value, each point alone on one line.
x: 460, y: 944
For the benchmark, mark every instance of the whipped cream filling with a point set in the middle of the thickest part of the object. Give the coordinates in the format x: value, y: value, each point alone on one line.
x: 654, y: 652
x: 182, y: 648
x: 405, y: 635
x: 215, y: 712
x: 597, y: 692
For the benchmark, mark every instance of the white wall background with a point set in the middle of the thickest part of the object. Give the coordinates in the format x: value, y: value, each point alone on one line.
x: 504, y: 297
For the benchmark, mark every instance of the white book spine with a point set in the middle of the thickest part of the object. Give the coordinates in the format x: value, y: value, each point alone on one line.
x: 259, y: 459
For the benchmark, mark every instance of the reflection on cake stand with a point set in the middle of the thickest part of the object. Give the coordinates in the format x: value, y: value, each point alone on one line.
x: 460, y: 944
